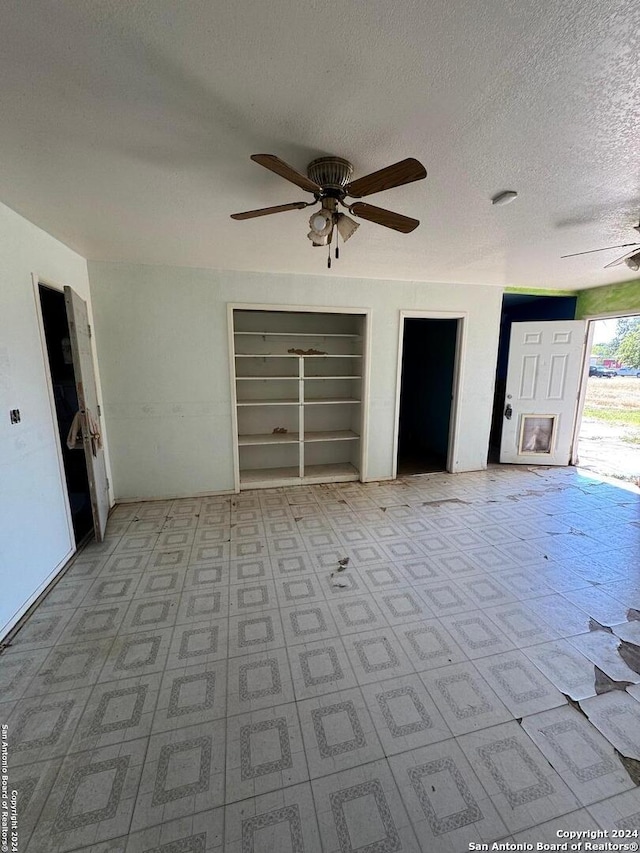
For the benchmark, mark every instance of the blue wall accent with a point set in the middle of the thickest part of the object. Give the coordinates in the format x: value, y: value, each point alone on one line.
x: 521, y: 307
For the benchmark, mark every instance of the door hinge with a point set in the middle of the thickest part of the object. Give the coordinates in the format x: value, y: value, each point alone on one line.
x: 99, y: 410
x: 89, y: 329
x: 108, y: 484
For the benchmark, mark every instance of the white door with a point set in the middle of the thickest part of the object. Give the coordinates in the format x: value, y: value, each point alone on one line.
x: 80, y: 335
x: 543, y: 382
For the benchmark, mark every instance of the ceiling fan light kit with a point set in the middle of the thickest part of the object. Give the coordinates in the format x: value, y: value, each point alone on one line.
x: 317, y: 222
x: 321, y: 222
x: 633, y: 262
x: 328, y: 178
x: 346, y: 226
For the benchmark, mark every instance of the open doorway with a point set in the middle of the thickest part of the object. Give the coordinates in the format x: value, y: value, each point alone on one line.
x: 426, y: 394
x: 608, y: 435
x: 63, y: 381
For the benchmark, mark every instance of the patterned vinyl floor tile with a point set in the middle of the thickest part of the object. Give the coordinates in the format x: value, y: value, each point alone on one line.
x: 447, y: 804
x: 206, y: 681
x: 522, y: 785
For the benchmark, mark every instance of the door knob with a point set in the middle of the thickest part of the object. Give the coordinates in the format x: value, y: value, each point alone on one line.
x: 508, y: 412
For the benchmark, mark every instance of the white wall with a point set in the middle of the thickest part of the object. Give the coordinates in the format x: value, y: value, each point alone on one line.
x: 163, y: 354
x: 35, y: 538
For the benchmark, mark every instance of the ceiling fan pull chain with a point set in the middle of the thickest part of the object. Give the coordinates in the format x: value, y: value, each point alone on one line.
x: 337, y: 247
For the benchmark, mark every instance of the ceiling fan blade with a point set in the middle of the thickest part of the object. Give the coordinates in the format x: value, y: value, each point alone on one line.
x: 388, y: 218
x: 396, y: 175
x: 275, y: 164
x: 606, y: 249
x: 265, y: 211
x: 623, y: 258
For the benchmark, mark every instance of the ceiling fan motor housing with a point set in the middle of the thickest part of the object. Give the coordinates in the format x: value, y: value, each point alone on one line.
x: 331, y: 173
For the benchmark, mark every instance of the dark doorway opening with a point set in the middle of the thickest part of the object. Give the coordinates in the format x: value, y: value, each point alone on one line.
x: 63, y: 380
x: 426, y: 393
x: 520, y: 307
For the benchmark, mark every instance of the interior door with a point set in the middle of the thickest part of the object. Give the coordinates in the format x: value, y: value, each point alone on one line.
x: 543, y: 381
x: 80, y: 334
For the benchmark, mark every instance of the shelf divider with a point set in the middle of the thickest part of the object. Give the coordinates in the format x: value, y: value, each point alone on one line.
x: 288, y: 402
x: 331, y: 401
x: 253, y: 440
x: 301, y: 417
x: 260, y: 378
x: 331, y: 435
x: 300, y: 334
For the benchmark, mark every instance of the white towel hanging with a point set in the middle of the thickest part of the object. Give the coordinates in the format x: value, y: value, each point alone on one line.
x: 84, y: 422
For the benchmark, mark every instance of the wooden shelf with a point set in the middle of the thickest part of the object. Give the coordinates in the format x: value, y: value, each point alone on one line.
x: 294, y: 437
x: 331, y: 401
x: 294, y: 355
x: 289, y: 402
x: 300, y: 334
x: 266, y: 478
x: 294, y: 378
x: 336, y: 472
x: 268, y: 438
x: 331, y: 435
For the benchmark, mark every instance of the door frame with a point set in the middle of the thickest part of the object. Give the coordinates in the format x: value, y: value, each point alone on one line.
x: 458, y: 364
x: 38, y: 280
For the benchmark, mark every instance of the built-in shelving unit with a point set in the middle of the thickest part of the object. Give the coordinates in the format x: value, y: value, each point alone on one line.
x: 298, y: 378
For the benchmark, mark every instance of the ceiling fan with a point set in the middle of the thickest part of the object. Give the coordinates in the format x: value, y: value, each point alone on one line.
x: 328, y: 178
x: 631, y: 259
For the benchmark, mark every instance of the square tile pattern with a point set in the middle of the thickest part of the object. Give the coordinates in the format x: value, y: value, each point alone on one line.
x: 205, y: 680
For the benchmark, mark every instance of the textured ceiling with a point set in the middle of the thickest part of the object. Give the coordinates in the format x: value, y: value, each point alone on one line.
x: 126, y: 130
